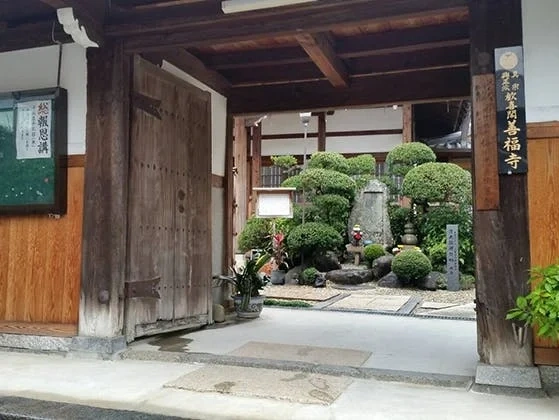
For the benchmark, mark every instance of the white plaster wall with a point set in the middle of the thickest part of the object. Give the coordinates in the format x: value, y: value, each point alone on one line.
x: 540, y: 21
x: 219, y: 121
x: 342, y: 120
x: 37, y: 69
x: 219, y: 118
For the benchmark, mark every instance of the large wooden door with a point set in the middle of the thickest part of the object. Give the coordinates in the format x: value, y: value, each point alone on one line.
x: 168, y: 283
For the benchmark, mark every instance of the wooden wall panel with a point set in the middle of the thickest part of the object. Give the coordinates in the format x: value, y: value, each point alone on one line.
x: 543, y: 188
x: 40, y: 267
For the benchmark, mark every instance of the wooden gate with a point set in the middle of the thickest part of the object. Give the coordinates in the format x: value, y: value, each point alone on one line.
x: 168, y: 283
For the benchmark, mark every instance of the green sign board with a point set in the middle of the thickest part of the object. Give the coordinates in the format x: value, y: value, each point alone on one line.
x: 33, y: 145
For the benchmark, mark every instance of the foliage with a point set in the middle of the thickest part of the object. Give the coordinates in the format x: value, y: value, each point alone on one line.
x: 437, y: 255
x: 361, y: 181
x: 372, y: 252
x: 308, y: 276
x: 313, y: 238
x: 329, y: 160
x: 332, y: 210
x: 255, y: 235
x: 411, y: 266
x: 278, y: 250
x: 540, y: 307
x: 287, y: 303
x: 405, y: 157
x: 361, y: 165
x: 467, y: 281
x: 438, y: 182
x: 398, y: 216
x: 432, y: 230
x: 285, y: 161
x: 317, y: 181
x: 248, y: 281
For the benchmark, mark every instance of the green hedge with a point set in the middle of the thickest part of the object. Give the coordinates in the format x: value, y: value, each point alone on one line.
x: 361, y: 165
x: 411, y: 266
x: 438, y: 182
x: 405, y: 157
x: 313, y: 238
x: 255, y: 235
x: 329, y: 160
x: 317, y: 181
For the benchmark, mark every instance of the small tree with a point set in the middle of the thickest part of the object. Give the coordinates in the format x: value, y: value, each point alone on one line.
x: 407, y: 156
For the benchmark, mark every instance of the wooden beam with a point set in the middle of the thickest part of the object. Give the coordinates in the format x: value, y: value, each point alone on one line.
x: 320, y: 49
x: 501, y: 236
x: 31, y: 36
x: 251, y: 26
x: 161, y: 4
x: 351, y: 133
x: 193, y: 66
x: 229, y: 202
x: 424, y: 86
x: 106, y: 191
x: 256, y: 155
x: 321, y: 132
x: 407, y: 121
x: 448, y: 57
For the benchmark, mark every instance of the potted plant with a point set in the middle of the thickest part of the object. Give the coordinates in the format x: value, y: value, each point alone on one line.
x: 248, y: 281
x: 540, y: 307
x: 279, y: 255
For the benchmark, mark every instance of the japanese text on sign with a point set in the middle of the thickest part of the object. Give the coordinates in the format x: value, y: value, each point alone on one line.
x: 33, y: 130
x: 511, y: 114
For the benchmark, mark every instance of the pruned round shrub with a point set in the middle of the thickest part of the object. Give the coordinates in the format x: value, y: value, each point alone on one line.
x: 361, y: 165
x: 308, y: 276
x: 405, y: 157
x: 329, y: 160
x: 411, y: 266
x: 317, y: 181
x: 438, y: 182
x: 437, y: 255
x: 284, y: 161
x: 255, y: 235
x: 372, y: 252
x: 313, y: 238
x: 332, y: 210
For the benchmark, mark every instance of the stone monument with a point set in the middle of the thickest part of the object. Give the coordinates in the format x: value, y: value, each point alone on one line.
x: 370, y: 212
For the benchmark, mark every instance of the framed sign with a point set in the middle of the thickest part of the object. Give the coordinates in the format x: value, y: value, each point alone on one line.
x: 274, y: 202
x: 33, y: 143
x: 511, y: 110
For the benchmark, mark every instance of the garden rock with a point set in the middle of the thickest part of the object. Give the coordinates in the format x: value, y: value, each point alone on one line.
x: 293, y: 275
x: 390, y: 280
x: 320, y: 280
x: 327, y: 262
x: 430, y: 281
x: 350, y: 276
x: 382, y: 266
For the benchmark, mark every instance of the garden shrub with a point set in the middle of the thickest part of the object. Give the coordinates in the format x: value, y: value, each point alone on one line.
x: 332, y: 210
x: 317, y: 181
x: 361, y: 165
x: 411, y: 266
x: 438, y: 182
x: 398, y: 216
x: 308, y: 276
x: 437, y: 255
x: 313, y: 238
x: 372, y: 252
x: 432, y: 230
x: 255, y: 235
x: 285, y: 161
x: 405, y: 157
x: 329, y: 160
x: 467, y: 281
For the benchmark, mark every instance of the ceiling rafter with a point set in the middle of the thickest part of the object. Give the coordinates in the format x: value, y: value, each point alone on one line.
x: 320, y: 49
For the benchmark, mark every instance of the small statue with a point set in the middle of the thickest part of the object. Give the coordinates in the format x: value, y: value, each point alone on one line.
x: 356, y: 235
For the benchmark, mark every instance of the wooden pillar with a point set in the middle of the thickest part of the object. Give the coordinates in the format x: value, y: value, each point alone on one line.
x: 229, y: 210
x: 256, y: 155
x: 322, y: 132
x: 240, y: 178
x: 105, y: 191
x: 407, y: 117
x: 500, y: 202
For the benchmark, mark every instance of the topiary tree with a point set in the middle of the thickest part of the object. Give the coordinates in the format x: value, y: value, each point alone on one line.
x: 284, y: 161
x: 329, y: 160
x: 310, y: 239
x: 255, y: 235
x: 317, y: 181
x: 407, y: 156
x: 361, y: 165
x: 372, y: 252
x: 332, y: 210
x: 411, y: 266
x: 438, y: 182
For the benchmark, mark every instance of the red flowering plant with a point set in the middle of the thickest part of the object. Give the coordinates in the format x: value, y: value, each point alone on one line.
x: 278, y: 251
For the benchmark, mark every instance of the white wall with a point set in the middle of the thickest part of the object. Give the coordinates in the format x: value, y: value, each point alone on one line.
x: 219, y: 121
x: 37, y: 69
x: 540, y: 21
x: 342, y: 120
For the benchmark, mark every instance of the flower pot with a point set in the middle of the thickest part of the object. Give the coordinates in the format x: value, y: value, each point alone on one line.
x: 277, y: 277
x: 252, y: 310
